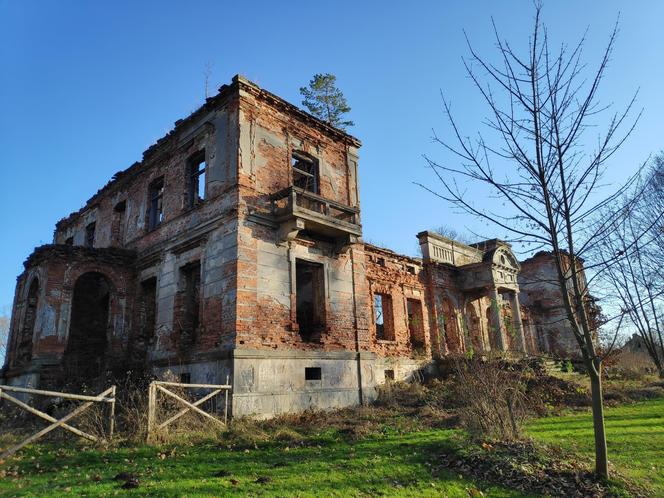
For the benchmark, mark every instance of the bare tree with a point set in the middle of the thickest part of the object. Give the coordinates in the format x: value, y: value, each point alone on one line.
x: 452, y: 233
x: 636, y: 284
x: 533, y: 158
x: 651, y: 209
x: 4, y: 334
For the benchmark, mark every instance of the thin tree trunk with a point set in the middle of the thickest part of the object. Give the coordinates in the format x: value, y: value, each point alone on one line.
x: 601, y: 458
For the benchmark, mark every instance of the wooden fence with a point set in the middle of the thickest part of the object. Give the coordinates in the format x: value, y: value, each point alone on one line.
x: 161, y: 386
x: 108, y: 396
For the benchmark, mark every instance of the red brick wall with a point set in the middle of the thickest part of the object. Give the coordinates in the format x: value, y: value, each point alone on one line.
x: 388, y: 273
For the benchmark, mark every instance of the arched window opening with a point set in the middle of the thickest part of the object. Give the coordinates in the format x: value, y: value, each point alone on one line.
x: 473, y: 328
x: 452, y: 336
x: 24, y: 348
x: 87, y: 343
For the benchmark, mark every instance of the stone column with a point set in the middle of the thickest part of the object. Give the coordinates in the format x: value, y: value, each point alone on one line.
x: 498, y: 319
x: 518, y: 324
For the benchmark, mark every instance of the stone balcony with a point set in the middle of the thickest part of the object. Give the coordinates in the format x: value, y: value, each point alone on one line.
x: 296, y: 209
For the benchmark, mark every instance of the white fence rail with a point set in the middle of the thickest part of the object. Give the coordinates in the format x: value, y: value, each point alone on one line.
x: 163, y: 387
x: 108, y: 396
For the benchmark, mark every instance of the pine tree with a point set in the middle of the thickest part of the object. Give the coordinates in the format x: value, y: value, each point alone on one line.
x: 325, y: 101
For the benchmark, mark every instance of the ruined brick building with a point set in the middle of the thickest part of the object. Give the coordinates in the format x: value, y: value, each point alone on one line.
x: 234, y: 248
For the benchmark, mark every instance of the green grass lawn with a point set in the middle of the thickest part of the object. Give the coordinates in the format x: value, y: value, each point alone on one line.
x: 328, y: 464
x: 635, y: 435
x: 394, y: 465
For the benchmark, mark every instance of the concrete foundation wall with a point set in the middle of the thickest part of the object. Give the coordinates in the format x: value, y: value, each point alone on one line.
x: 203, y: 372
x: 269, y: 383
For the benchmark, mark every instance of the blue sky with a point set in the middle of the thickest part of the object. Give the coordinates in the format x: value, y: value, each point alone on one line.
x: 85, y: 87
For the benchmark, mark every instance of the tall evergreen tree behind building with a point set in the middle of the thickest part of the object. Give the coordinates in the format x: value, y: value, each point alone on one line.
x: 325, y: 101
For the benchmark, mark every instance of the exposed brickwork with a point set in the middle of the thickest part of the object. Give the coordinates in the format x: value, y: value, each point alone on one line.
x: 261, y: 265
x: 541, y: 294
x: 402, y: 278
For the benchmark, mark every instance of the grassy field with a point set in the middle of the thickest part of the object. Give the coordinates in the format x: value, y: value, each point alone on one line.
x: 326, y: 463
x: 635, y: 435
x: 394, y: 465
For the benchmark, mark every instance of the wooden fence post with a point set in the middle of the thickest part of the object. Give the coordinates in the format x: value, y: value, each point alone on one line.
x: 226, y: 401
x: 112, y: 415
x: 159, y: 386
x: 151, y: 411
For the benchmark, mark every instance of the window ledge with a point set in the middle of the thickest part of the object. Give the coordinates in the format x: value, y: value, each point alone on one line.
x: 385, y: 341
x: 197, y: 205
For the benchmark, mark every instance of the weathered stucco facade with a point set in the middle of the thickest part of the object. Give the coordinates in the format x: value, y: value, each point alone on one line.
x: 234, y: 248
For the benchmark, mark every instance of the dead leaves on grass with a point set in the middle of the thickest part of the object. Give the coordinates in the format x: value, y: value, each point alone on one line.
x: 523, y: 466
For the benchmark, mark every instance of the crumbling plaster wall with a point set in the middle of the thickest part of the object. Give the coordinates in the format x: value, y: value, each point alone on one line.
x: 206, y: 232
x: 541, y: 294
x: 213, y: 129
x: 271, y: 355
x: 58, y: 268
x: 402, y: 278
x: 445, y: 302
x: 266, y: 317
x: 247, y: 317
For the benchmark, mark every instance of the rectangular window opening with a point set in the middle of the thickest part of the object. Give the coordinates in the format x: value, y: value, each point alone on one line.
x: 156, y: 200
x: 69, y: 241
x: 305, y: 172
x: 310, y: 299
x: 196, y: 167
x: 185, y: 378
x: 189, y: 296
x: 389, y: 375
x: 147, y: 319
x: 118, y: 225
x: 383, y: 317
x: 415, y: 324
x: 313, y: 373
x: 90, y: 234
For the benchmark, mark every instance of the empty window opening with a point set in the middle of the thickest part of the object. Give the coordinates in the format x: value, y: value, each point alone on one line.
x: 24, y: 349
x: 380, y: 261
x: 147, y: 314
x: 189, y: 303
x: 389, y: 375
x: 156, y: 200
x: 415, y: 323
x: 305, y: 172
x: 69, y: 241
x: 313, y: 373
x: 473, y: 329
x: 90, y: 234
x: 88, y: 329
x: 410, y: 269
x: 118, y: 225
x: 185, y: 378
x: 310, y: 298
x: 383, y: 317
x: 196, y: 167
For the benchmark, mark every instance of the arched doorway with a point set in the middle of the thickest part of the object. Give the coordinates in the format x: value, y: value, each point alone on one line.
x: 85, y: 354
x: 24, y: 346
x: 473, y: 328
x: 494, y: 331
x: 452, y: 336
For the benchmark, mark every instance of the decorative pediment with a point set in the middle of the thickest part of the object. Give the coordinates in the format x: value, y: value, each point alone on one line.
x: 505, y: 258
